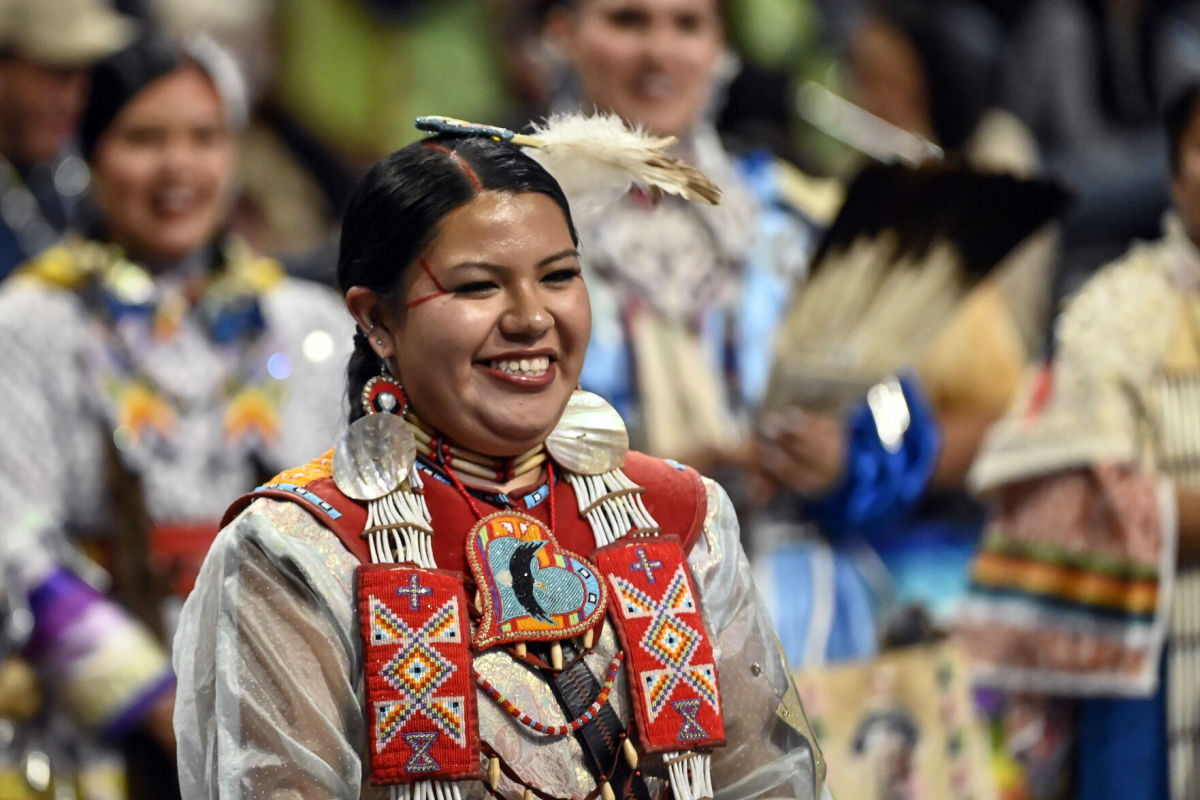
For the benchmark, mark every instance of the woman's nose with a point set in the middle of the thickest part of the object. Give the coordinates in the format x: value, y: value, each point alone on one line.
x: 526, y: 317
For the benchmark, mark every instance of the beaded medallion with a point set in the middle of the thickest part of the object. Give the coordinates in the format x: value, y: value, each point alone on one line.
x: 530, y: 588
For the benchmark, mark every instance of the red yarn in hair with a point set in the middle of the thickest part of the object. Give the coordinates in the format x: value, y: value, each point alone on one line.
x: 463, y: 165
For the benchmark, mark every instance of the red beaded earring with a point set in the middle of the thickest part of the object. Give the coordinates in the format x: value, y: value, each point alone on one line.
x: 384, y: 395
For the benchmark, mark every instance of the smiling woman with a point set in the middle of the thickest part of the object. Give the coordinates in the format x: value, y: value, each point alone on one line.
x: 528, y: 607
x: 164, y: 166
x: 686, y: 298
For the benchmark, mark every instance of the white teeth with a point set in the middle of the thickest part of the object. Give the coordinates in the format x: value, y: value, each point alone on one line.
x: 524, y: 366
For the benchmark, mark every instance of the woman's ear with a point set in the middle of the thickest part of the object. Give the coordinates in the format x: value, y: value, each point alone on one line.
x: 369, y: 312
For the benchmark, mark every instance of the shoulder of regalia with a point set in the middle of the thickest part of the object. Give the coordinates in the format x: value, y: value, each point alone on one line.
x: 249, y: 271
x: 776, y: 182
x: 312, y: 487
x: 674, y: 494
x: 1112, y: 338
x: 1118, y: 323
x: 69, y: 264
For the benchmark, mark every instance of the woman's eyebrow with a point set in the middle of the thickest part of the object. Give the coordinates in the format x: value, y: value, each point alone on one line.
x: 568, y: 253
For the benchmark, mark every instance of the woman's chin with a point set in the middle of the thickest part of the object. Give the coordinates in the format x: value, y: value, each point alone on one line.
x: 515, y: 442
x: 507, y: 437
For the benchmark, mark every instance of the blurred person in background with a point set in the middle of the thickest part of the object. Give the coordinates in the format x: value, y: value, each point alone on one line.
x: 290, y: 184
x: 909, y: 69
x: 922, y: 310
x: 1087, y: 585
x: 153, y: 369
x: 685, y: 299
x: 1089, y: 78
x: 46, y: 48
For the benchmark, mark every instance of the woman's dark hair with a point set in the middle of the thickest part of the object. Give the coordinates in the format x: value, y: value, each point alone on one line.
x: 959, y: 46
x: 395, y: 210
x: 119, y: 78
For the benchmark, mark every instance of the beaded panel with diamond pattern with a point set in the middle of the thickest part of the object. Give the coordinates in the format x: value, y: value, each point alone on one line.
x: 672, y: 672
x: 420, y: 690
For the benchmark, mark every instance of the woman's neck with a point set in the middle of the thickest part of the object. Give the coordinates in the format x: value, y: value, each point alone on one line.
x: 479, y: 471
x: 194, y: 262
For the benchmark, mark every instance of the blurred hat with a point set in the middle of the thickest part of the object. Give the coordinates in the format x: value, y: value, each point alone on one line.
x: 63, y: 32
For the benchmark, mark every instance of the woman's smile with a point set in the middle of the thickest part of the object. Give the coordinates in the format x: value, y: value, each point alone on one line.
x: 530, y: 369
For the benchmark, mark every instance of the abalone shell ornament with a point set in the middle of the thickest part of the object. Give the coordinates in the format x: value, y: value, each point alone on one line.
x: 373, y: 456
x: 590, y: 437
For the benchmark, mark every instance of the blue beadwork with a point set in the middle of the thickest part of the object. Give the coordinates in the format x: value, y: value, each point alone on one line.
x: 332, y: 512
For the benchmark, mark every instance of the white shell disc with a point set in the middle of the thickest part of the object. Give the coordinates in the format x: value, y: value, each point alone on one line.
x: 590, y: 438
x: 373, y: 456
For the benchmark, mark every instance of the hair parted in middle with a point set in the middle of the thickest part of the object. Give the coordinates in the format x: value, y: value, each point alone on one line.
x: 395, y: 210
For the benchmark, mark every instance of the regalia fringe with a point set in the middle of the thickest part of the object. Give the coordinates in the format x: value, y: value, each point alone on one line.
x: 612, y: 505
x: 399, y: 527
x: 691, y: 775
x: 426, y: 790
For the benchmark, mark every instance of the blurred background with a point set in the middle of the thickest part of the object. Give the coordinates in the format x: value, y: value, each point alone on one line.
x: 914, y: 188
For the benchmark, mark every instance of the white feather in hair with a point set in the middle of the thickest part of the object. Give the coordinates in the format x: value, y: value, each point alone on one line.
x: 596, y: 158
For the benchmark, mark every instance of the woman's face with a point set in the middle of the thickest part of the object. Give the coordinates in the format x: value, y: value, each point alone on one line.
x: 164, y: 168
x: 1185, y: 183
x: 492, y: 361
x: 888, y: 79
x: 648, y: 61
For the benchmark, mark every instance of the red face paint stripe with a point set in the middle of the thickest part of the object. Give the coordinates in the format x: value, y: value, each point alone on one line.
x: 441, y: 290
x: 463, y: 165
x: 429, y: 271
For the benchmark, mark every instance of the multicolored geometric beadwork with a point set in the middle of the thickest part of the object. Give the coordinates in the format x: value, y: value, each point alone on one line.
x: 673, y: 677
x: 420, y: 690
x: 531, y: 588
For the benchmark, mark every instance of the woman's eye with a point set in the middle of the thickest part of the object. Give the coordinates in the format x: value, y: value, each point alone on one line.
x: 628, y: 19
x: 476, y: 287
x: 561, y: 275
x: 689, y: 23
x: 144, y: 137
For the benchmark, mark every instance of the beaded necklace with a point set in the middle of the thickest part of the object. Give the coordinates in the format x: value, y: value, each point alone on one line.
x: 437, y: 448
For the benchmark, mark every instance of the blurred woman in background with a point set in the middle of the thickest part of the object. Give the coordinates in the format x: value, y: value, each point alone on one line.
x: 685, y: 298
x: 151, y: 371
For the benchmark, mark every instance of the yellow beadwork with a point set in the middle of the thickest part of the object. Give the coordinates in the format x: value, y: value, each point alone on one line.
x: 320, y: 467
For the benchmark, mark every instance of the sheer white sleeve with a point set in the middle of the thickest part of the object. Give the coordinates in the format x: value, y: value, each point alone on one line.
x: 266, y: 655
x: 770, y: 750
